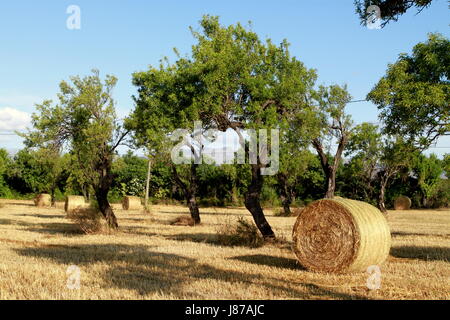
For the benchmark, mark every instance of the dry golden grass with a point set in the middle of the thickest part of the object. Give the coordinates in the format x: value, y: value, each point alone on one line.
x: 150, y: 259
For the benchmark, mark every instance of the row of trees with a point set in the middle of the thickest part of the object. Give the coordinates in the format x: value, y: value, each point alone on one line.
x: 358, y: 176
x: 234, y: 81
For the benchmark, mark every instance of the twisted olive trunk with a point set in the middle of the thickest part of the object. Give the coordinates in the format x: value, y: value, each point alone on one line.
x: 105, y: 208
x: 102, y: 190
x: 189, y: 191
x: 253, y: 202
x: 285, y: 195
x: 381, y: 196
x: 384, y: 181
x: 330, y: 175
x: 328, y: 167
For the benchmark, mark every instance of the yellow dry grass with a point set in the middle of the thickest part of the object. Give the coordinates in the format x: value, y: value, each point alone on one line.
x: 150, y: 259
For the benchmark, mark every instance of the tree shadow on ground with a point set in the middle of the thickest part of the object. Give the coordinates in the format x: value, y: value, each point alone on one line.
x: 20, y: 204
x: 415, y: 234
x: 206, y: 213
x: 224, y: 240
x: 15, y: 222
x: 56, y: 228
x: 270, y: 261
x: 144, y: 271
x: 422, y: 253
x: 207, y: 238
x: 43, y: 216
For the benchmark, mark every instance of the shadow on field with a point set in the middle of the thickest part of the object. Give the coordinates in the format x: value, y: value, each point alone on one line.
x: 144, y: 271
x: 206, y: 213
x: 414, y: 234
x: 14, y: 222
x: 21, y: 204
x: 44, y: 216
x: 196, y: 237
x: 270, y: 261
x: 56, y: 228
x: 422, y: 253
x: 224, y: 240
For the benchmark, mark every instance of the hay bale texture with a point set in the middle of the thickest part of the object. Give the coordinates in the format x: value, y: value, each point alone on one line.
x: 402, y: 203
x: 340, y: 235
x: 131, y: 203
x: 75, y: 202
x: 43, y: 200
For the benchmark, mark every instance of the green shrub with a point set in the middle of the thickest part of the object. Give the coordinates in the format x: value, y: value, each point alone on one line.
x: 115, y: 196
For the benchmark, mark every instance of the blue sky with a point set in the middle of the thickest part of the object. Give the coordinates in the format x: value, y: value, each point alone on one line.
x: 121, y: 37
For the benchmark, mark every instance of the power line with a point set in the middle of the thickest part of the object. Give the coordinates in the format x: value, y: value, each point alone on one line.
x: 355, y: 101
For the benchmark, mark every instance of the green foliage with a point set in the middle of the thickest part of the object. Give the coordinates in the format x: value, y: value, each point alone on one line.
x: 334, y: 127
x: 220, y: 185
x: 446, y: 165
x: 84, y: 120
x: 130, y: 174
x: 38, y: 170
x: 247, y: 83
x: 311, y: 186
x: 5, y: 165
x: 414, y: 94
x: 74, y: 180
x: 366, y: 146
x: 390, y: 10
x: 428, y: 171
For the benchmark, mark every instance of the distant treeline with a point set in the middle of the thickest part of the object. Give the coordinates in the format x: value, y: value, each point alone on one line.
x: 28, y: 173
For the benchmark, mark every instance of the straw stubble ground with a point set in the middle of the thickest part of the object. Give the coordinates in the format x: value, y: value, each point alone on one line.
x: 150, y: 259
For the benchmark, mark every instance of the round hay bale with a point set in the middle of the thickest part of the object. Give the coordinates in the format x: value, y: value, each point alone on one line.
x: 131, y: 203
x: 340, y: 235
x: 75, y: 202
x: 402, y: 203
x: 43, y: 200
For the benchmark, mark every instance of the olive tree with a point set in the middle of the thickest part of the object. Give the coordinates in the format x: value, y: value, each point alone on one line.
x: 85, y: 123
x: 250, y: 85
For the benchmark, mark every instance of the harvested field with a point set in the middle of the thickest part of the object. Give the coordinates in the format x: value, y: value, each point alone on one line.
x: 150, y: 259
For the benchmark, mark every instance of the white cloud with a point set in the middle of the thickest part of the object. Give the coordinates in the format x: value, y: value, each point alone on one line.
x: 13, y: 119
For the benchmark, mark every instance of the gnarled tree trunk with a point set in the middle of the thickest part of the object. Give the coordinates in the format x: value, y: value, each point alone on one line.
x: 381, y: 196
x: 105, y: 208
x: 330, y: 175
x: 330, y: 168
x: 253, y: 202
x: 189, y: 191
x: 285, y: 195
x: 101, y: 193
x: 384, y: 181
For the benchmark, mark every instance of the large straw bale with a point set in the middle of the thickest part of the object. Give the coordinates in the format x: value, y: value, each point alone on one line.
x: 340, y: 235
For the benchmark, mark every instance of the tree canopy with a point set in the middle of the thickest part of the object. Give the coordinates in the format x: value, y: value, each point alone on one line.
x: 414, y: 95
x: 84, y: 122
x: 390, y: 10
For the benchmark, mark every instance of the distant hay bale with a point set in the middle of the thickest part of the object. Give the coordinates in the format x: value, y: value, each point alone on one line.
x: 131, y: 203
x: 75, y: 202
x: 340, y: 235
x: 43, y: 200
x: 402, y: 203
